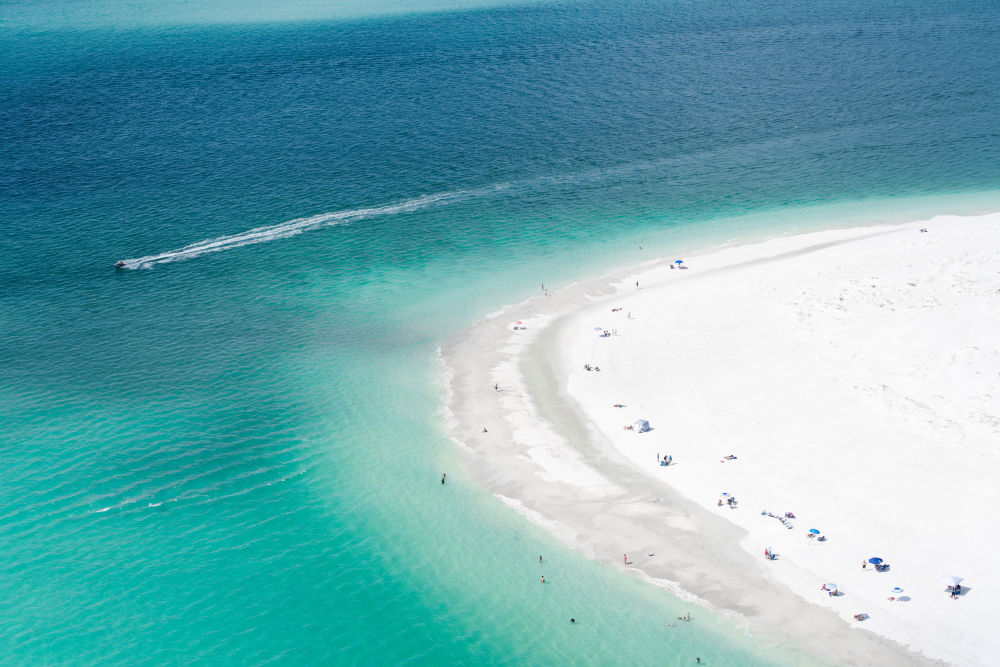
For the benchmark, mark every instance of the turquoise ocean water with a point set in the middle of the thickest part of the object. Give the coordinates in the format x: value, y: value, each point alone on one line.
x: 229, y: 452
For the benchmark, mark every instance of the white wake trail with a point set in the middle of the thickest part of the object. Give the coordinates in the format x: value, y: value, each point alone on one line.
x: 292, y: 228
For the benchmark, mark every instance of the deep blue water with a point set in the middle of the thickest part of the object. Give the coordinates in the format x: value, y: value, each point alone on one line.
x: 231, y: 456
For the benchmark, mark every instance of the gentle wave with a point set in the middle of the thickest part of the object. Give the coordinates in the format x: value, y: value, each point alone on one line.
x: 297, y: 226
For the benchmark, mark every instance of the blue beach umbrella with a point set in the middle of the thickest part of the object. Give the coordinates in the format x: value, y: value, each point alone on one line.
x: 598, y: 328
x: 814, y: 531
x: 896, y: 591
x: 680, y: 261
x: 875, y: 561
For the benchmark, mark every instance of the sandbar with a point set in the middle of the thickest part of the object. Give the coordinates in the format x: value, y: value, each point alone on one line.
x: 853, y: 375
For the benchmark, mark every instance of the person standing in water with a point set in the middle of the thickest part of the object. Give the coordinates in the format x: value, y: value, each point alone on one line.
x: 443, y: 477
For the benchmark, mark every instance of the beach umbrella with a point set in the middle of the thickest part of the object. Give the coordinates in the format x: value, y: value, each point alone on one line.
x: 831, y: 586
x: 598, y: 328
x: 950, y: 580
x: 814, y: 531
x: 875, y: 561
x: 897, y: 590
x: 518, y: 322
x: 680, y: 261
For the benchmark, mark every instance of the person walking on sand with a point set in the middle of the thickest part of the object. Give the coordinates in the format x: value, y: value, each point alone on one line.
x: 625, y: 557
x: 496, y: 387
x: 637, y: 284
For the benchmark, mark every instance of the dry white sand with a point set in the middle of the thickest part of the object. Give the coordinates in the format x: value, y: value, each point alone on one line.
x: 854, y: 374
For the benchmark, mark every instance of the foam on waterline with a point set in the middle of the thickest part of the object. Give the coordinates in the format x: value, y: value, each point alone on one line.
x: 298, y: 226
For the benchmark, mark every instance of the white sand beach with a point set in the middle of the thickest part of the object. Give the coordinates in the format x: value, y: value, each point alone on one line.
x: 853, y: 373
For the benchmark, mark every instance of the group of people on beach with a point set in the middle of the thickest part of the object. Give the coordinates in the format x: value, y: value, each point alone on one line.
x: 618, y: 309
x: 879, y: 566
x: 785, y: 520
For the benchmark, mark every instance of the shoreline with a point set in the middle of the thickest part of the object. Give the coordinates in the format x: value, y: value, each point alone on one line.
x: 548, y: 460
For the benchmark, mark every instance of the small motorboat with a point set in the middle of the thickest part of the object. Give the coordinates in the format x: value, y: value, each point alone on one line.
x: 120, y: 265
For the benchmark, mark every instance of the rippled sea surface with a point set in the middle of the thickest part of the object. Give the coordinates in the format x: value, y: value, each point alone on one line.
x: 229, y: 450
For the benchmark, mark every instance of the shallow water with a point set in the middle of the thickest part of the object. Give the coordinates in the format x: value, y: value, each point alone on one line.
x: 230, y: 451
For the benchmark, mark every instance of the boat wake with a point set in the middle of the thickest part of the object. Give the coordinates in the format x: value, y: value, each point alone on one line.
x: 297, y: 226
